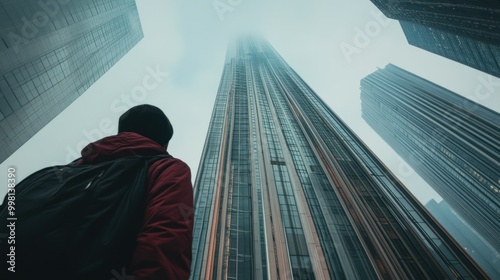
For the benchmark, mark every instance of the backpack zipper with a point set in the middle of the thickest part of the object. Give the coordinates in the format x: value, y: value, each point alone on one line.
x: 95, y: 180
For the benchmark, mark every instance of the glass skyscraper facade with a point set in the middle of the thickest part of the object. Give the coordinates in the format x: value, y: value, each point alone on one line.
x: 474, y: 53
x: 476, y: 19
x: 467, y: 32
x: 285, y: 190
x: 452, y: 142
x: 478, y: 249
x: 51, y: 52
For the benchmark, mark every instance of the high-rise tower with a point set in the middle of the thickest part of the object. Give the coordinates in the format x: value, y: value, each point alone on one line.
x: 478, y: 249
x: 467, y: 31
x: 473, y: 53
x: 477, y: 19
x: 50, y: 53
x: 285, y: 190
x: 452, y: 142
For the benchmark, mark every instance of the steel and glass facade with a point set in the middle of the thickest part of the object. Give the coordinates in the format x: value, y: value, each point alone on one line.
x: 473, y: 53
x: 467, y: 32
x: 476, y: 247
x: 476, y: 19
x: 285, y: 190
x: 452, y: 142
x: 51, y: 52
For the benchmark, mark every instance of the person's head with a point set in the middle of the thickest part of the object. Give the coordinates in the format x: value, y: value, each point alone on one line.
x: 148, y: 121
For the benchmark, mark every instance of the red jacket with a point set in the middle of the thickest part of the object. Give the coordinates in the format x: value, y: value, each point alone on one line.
x: 164, y: 242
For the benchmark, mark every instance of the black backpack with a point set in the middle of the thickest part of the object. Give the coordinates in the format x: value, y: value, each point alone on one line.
x: 75, y: 221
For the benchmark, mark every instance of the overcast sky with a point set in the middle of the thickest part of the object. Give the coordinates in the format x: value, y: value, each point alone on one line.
x: 332, y: 45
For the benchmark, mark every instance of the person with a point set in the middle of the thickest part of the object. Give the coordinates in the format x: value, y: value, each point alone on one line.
x: 163, y: 249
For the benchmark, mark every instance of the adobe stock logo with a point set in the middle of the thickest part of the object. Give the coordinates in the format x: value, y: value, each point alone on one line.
x: 224, y: 6
x: 363, y: 37
x: 30, y: 28
x: 484, y: 89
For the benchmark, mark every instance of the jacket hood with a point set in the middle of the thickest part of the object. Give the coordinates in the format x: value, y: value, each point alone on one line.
x: 121, y: 145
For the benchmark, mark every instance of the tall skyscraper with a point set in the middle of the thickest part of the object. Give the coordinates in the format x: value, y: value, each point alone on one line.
x: 285, y: 190
x: 467, y: 32
x: 478, y: 249
x: 477, y: 19
x: 474, y: 53
x: 50, y: 53
x: 452, y: 142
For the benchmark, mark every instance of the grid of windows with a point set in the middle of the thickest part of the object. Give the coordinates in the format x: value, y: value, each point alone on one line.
x: 372, y: 196
x: 290, y: 163
x: 474, y: 53
x: 208, y: 176
x: 257, y: 182
x: 331, y: 220
x: 47, y: 70
x: 239, y: 215
x: 430, y: 126
x: 477, y: 19
x: 466, y: 32
x: 296, y: 243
